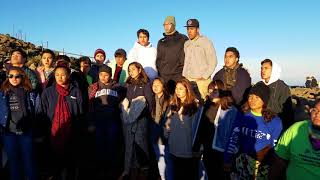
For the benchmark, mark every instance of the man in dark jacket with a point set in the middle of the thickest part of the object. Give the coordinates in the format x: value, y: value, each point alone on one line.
x: 170, y: 53
x: 280, y: 96
x: 234, y: 76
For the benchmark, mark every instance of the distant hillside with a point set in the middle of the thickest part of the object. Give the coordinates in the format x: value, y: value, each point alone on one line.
x: 8, y: 43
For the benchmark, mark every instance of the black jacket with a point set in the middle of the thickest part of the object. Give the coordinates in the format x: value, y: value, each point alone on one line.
x: 280, y: 102
x: 242, y: 85
x: 170, y: 56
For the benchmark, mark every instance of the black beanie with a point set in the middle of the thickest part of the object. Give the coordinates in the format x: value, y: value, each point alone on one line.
x: 105, y: 68
x: 261, y: 90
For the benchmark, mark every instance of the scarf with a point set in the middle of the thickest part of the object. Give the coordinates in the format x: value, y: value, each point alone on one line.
x: 61, y: 125
x: 230, y: 76
x: 314, y: 137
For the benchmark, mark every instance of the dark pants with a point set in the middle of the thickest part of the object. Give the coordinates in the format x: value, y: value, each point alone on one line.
x: 213, y: 162
x: 109, y: 151
x: 185, y: 168
x: 20, y: 152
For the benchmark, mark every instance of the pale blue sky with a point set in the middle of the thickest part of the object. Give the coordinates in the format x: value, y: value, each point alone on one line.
x: 286, y: 31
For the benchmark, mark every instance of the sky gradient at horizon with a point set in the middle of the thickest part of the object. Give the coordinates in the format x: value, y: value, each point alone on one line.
x: 286, y: 31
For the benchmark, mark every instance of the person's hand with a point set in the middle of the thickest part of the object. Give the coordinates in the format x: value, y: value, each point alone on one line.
x: 40, y: 69
x: 167, y: 125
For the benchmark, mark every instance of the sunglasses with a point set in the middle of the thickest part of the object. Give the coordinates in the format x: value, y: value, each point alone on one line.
x: 18, y: 76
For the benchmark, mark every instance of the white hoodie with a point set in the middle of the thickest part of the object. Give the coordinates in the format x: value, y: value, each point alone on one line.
x: 146, y: 56
x: 275, y: 74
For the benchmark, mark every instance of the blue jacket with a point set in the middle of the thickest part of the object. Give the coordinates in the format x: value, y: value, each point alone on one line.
x: 32, y: 103
x: 183, y: 135
x: 223, y: 128
x: 49, y: 99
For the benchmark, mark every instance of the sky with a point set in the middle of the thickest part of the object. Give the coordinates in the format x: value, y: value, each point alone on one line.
x: 285, y: 31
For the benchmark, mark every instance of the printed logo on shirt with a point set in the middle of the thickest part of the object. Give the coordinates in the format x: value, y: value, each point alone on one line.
x: 72, y: 97
x: 106, y: 92
x: 14, y: 103
x: 255, y: 133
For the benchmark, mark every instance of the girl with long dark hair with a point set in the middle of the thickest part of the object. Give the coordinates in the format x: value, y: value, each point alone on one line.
x: 140, y: 162
x: 17, y: 104
x: 180, y: 130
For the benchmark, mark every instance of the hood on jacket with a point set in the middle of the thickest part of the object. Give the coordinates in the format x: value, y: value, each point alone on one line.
x: 275, y: 74
x: 137, y: 45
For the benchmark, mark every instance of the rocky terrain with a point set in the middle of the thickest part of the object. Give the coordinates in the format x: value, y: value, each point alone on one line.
x: 8, y: 43
x: 303, y: 99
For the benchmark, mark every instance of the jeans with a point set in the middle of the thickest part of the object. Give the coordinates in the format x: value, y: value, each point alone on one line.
x: 20, y: 153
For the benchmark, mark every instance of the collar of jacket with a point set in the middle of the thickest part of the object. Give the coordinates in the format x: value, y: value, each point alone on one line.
x: 169, y: 35
x: 235, y: 68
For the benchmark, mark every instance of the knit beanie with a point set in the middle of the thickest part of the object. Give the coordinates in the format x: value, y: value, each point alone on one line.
x: 105, y: 68
x: 261, y: 90
x: 100, y: 51
x: 170, y: 19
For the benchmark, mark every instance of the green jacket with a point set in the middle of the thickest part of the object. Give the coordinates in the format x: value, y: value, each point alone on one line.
x: 124, y: 72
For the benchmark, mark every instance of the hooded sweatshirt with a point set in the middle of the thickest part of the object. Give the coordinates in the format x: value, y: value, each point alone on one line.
x: 146, y: 56
x: 280, y: 96
x: 170, y: 56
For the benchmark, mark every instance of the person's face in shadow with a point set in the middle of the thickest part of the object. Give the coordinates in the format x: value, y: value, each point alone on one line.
x: 315, y: 115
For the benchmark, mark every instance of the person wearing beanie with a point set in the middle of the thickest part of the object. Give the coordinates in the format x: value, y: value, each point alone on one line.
x: 18, y: 59
x: 99, y: 57
x: 200, y: 58
x: 105, y: 124
x: 234, y: 76
x: 119, y: 66
x: 281, y: 102
x: 253, y: 137
x: 144, y: 53
x: 170, y: 54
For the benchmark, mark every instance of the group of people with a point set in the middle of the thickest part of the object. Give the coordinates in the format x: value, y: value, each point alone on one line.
x: 156, y: 113
x: 311, y: 82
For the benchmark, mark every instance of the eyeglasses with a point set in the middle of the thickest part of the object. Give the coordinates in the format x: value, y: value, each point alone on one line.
x: 314, y: 110
x: 18, y: 76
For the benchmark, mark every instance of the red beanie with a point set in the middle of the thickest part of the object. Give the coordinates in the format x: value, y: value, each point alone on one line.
x: 100, y: 51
